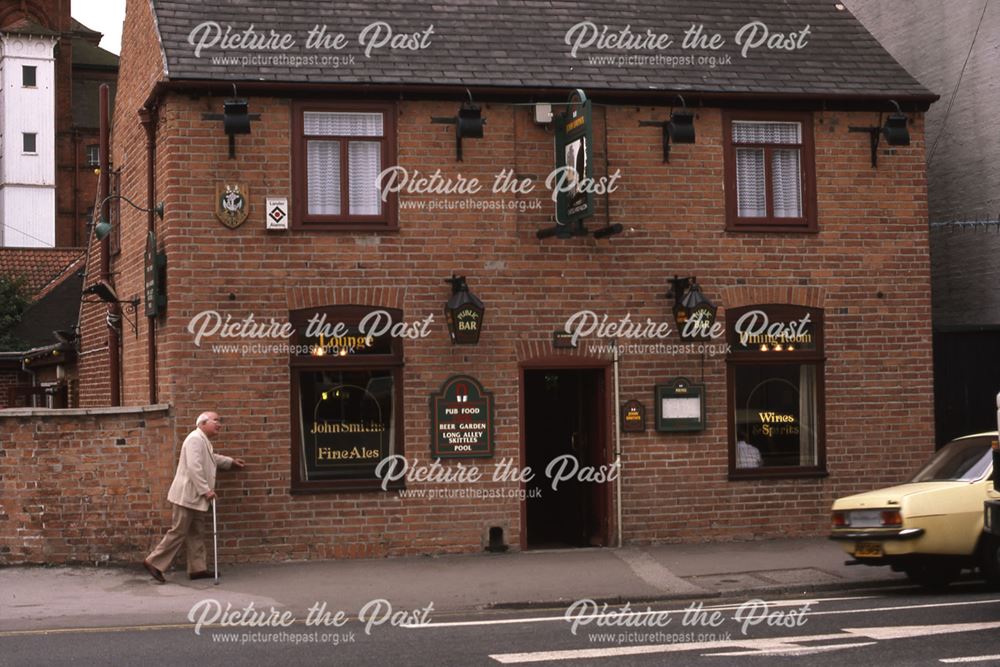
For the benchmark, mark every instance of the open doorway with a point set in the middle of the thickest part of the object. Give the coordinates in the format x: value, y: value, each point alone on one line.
x: 565, y: 414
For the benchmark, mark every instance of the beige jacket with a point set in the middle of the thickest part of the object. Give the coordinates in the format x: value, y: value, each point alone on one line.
x: 196, y: 472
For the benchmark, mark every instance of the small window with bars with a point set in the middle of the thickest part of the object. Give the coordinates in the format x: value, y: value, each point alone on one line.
x: 769, y: 172
x: 340, y: 152
x: 93, y: 155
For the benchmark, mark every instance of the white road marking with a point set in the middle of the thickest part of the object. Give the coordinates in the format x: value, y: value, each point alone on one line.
x: 795, y: 651
x: 906, y: 631
x: 547, y: 619
x: 974, y: 658
x: 769, y: 646
x: 577, y: 654
x: 902, y: 607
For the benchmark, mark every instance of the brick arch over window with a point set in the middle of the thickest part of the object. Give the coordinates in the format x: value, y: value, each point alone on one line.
x: 315, y: 297
x: 542, y: 350
x: 745, y: 295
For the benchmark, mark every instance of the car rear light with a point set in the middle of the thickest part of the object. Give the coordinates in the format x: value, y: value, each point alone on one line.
x: 840, y: 520
x: 892, y: 518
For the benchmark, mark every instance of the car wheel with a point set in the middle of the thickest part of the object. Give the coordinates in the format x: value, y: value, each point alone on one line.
x: 932, y: 575
x: 990, y: 563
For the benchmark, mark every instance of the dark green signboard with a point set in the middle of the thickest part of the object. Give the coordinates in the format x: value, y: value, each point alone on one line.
x: 574, y: 160
x: 462, y: 420
x: 153, y: 269
x: 680, y: 406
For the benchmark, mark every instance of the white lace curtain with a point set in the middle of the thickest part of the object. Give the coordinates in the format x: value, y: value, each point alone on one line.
x: 751, y: 176
x: 364, y: 161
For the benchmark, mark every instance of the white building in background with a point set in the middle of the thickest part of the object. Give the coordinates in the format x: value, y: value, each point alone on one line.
x: 27, y: 138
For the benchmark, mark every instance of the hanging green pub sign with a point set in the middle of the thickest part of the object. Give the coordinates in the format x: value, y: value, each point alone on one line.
x: 462, y: 420
x: 574, y: 160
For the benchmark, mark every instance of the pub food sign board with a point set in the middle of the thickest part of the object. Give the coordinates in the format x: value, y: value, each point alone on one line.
x: 462, y: 420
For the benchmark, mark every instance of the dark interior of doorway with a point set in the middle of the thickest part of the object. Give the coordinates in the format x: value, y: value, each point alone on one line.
x: 564, y: 414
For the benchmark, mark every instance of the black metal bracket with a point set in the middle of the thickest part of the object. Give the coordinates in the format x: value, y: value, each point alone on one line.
x: 662, y: 124
x: 458, y: 135
x: 232, y: 137
x: 130, y: 307
x: 666, y: 126
x: 875, y: 135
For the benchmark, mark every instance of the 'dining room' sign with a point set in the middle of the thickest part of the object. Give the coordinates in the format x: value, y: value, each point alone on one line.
x: 462, y: 420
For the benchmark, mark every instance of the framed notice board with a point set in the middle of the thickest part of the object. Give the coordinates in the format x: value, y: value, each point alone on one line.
x: 680, y: 406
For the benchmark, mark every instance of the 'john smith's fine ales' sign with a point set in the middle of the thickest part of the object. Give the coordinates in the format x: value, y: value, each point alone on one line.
x: 462, y: 420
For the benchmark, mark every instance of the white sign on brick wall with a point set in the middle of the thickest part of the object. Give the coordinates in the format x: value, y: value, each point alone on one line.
x: 277, y: 213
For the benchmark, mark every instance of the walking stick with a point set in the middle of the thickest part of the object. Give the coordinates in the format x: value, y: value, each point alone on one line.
x: 215, y: 542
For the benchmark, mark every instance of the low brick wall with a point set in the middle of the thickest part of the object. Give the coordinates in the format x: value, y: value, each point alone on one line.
x: 84, y: 485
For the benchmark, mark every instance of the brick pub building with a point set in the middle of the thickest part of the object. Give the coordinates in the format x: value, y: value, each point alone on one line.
x: 775, y: 208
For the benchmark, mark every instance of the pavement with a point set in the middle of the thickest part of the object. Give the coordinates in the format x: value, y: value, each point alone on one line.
x: 48, y: 598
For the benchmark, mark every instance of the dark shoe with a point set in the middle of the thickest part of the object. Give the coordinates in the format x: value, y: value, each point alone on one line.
x: 156, y: 574
x: 204, y: 574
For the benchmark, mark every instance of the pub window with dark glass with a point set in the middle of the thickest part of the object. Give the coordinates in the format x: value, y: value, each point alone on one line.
x: 29, y: 76
x: 346, y: 398
x: 338, y: 153
x: 29, y: 142
x: 776, y: 391
x: 770, y: 172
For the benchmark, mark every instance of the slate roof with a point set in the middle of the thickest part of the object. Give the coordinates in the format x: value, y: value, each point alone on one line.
x: 86, y: 54
x: 56, y: 308
x: 38, y: 266
x: 522, y: 43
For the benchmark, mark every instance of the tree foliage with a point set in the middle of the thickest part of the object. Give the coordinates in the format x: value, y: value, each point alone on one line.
x: 13, y: 302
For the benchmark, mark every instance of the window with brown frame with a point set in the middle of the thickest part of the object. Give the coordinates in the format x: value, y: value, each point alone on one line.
x: 770, y: 171
x: 338, y: 151
x: 346, y: 398
x: 776, y: 392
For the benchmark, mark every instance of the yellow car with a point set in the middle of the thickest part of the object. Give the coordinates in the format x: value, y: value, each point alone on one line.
x: 932, y: 527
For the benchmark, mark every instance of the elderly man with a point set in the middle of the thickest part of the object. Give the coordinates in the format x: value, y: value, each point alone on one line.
x: 192, y: 490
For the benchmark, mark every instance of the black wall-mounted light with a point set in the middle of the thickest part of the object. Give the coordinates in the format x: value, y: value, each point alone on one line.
x: 469, y: 123
x: 894, y: 130
x: 236, y: 116
x: 464, y: 313
x: 679, y: 129
x: 693, y: 312
x: 105, y: 293
x: 235, y: 119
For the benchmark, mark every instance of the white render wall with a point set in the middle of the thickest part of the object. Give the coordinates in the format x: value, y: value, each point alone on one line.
x: 27, y: 181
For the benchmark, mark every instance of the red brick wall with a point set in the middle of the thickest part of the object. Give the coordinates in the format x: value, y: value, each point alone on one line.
x: 84, y: 488
x: 8, y: 379
x: 867, y: 267
x: 139, y: 69
x: 872, y: 240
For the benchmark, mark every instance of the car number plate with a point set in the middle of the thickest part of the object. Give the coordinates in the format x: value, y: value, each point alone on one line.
x: 866, y: 518
x: 868, y: 550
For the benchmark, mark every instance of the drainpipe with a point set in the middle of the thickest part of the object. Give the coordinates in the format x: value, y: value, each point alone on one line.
x: 147, y: 116
x: 114, y: 310
x: 618, y: 448
x: 76, y: 189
